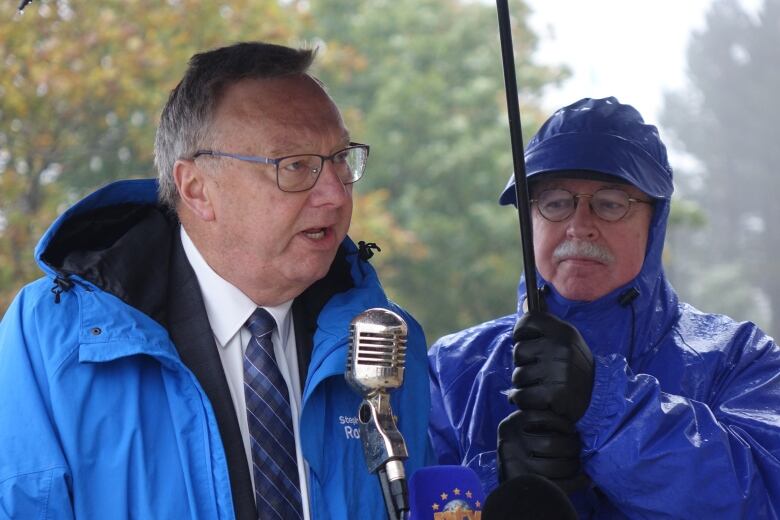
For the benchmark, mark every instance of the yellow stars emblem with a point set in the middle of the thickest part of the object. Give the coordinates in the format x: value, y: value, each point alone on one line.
x: 457, y: 505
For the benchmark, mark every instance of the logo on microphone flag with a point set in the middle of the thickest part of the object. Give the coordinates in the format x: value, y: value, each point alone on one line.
x: 445, y: 493
x: 457, y: 505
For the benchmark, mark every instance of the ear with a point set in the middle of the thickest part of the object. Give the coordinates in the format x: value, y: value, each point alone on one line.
x: 192, y: 183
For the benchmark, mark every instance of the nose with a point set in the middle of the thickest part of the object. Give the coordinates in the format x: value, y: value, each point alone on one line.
x: 329, y: 189
x: 582, y: 223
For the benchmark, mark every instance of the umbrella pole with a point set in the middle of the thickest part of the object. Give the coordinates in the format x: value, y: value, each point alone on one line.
x: 516, y: 136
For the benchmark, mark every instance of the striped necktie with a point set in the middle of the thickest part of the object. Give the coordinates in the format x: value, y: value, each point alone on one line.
x: 274, y: 462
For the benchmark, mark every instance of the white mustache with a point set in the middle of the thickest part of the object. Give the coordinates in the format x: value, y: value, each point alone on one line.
x: 580, y: 249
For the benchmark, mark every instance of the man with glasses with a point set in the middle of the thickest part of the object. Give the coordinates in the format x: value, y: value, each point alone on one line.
x: 636, y: 404
x: 184, y: 357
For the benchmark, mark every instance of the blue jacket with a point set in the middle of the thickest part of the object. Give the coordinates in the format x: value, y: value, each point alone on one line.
x: 684, y: 420
x: 100, y: 418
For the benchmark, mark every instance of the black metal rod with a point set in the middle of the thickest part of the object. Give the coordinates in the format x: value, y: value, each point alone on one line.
x: 384, y: 483
x: 518, y: 156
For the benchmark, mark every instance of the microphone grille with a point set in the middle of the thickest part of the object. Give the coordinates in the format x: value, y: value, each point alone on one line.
x: 378, y: 349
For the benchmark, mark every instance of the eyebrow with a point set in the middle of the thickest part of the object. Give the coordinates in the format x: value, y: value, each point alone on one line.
x: 553, y: 185
x: 287, y: 148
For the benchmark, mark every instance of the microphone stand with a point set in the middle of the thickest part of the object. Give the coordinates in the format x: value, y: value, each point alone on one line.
x: 385, y: 451
x: 518, y: 157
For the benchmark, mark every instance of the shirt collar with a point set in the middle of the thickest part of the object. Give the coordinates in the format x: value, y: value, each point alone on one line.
x: 227, y: 307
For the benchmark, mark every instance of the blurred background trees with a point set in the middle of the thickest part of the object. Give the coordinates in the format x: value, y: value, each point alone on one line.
x: 726, y: 121
x: 428, y: 93
x: 421, y: 81
x: 82, y: 87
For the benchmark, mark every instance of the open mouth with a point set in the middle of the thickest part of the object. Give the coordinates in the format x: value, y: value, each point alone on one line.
x: 315, y: 233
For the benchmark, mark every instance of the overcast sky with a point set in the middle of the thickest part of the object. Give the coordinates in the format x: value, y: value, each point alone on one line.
x: 632, y: 49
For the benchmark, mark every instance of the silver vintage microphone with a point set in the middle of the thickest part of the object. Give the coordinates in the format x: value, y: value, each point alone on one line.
x: 375, y: 365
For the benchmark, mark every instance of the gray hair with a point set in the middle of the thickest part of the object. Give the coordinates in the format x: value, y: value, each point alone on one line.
x: 186, y: 118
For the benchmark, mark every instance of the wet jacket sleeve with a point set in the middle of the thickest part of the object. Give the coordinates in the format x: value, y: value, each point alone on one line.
x: 711, y: 454
x: 440, y: 430
x: 34, y: 476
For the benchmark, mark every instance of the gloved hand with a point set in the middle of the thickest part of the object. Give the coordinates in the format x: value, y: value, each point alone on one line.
x: 554, y: 367
x: 541, y: 443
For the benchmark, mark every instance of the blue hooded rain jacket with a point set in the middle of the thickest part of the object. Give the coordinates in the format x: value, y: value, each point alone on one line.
x: 684, y: 419
x: 100, y: 418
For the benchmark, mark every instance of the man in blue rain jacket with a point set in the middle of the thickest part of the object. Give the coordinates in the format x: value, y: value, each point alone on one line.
x: 636, y: 403
x: 118, y: 368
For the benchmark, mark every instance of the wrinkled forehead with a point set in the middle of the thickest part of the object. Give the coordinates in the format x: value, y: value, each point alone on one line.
x: 581, y: 181
x: 278, y: 116
x: 296, y: 96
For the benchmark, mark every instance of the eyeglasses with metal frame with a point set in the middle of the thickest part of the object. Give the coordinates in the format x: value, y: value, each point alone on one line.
x: 296, y: 173
x: 609, y: 204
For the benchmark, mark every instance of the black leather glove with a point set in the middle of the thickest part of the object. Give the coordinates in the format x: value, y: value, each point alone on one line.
x: 540, y: 443
x: 554, y: 367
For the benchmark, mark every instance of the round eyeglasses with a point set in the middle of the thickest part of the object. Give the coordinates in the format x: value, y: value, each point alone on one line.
x: 300, y: 172
x: 610, y: 204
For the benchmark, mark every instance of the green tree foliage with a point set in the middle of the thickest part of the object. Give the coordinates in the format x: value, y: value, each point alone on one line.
x: 727, y: 120
x: 83, y: 84
x: 421, y: 81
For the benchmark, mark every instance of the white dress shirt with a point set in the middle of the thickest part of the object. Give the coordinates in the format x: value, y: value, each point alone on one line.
x: 228, y: 309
